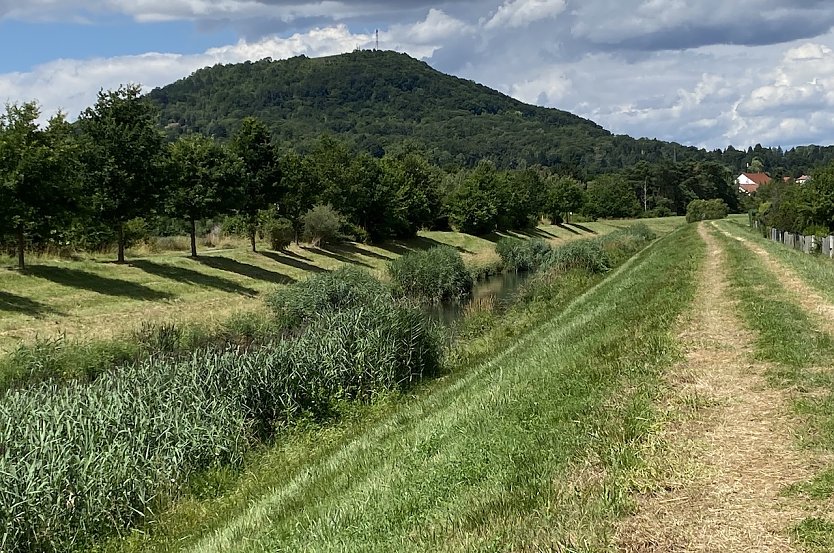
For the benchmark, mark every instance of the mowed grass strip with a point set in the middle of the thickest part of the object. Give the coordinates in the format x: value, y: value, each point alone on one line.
x: 816, y: 271
x: 789, y: 337
x: 537, y: 449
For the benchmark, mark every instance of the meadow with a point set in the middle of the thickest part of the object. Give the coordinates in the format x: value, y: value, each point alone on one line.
x: 92, y: 298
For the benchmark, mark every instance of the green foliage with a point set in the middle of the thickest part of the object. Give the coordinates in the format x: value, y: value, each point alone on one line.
x: 473, y: 206
x: 83, y: 460
x: 587, y: 255
x: 704, y: 210
x: 611, y: 196
x: 563, y: 195
x: 322, y: 293
x: 261, y: 178
x: 39, y: 175
x: 523, y: 255
x: 437, y: 274
x: 123, y: 158
x: 322, y: 224
x: 205, y: 181
x: 279, y: 232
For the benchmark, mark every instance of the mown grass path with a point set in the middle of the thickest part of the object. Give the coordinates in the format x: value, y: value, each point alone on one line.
x: 537, y: 449
x: 738, y: 431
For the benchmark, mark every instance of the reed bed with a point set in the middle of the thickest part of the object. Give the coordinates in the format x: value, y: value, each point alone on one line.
x: 79, y: 461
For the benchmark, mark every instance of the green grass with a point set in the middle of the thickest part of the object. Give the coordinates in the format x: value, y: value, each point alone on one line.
x: 814, y: 270
x: 537, y: 448
x: 789, y: 337
x: 92, y: 297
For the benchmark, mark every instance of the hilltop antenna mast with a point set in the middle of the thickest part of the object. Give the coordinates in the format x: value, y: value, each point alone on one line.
x: 377, y: 39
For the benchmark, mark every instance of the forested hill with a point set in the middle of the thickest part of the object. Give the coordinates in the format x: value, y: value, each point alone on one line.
x: 381, y: 101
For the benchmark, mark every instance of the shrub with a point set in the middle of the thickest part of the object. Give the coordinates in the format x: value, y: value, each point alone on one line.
x: 523, y: 255
x: 588, y: 255
x: 321, y: 224
x: 325, y: 292
x: 437, y: 274
x: 702, y: 210
x: 279, y: 232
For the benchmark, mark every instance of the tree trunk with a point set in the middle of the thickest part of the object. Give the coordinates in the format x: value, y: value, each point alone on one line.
x: 193, y: 238
x: 21, y: 246
x: 121, y: 255
x: 252, y: 237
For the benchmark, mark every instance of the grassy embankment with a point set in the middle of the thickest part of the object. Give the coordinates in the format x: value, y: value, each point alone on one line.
x: 535, y: 445
x: 94, y: 298
x: 802, y: 353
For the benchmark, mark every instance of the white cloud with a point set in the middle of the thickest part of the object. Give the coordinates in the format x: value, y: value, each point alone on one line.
x: 520, y: 13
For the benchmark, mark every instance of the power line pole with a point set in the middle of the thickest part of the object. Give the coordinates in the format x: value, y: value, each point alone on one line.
x: 377, y: 39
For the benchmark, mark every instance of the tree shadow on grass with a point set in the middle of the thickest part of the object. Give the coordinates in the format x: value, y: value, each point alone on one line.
x: 327, y: 252
x: 188, y: 276
x: 92, y: 282
x: 580, y: 227
x: 416, y: 244
x: 18, y: 304
x: 348, y: 248
x: 245, y: 269
x: 294, y: 261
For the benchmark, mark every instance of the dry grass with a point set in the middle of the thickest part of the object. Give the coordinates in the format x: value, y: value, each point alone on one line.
x: 740, y: 433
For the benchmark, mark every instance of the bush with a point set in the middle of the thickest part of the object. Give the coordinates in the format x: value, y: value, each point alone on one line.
x: 323, y: 293
x: 523, y: 255
x: 81, y: 461
x: 587, y: 255
x: 279, y: 232
x: 703, y: 210
x: 321, y: 224
x: 437, y: 274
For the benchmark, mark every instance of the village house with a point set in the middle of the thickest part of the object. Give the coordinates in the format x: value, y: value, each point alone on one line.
x: 750, y: 182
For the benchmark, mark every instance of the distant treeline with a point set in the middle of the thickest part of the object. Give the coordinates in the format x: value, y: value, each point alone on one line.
x: 93, y: 183
x: 800, y: 208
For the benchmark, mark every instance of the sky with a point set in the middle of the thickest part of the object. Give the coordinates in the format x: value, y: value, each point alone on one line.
x: 708, y: 73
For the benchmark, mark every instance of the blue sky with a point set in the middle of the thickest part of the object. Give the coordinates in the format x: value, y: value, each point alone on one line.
x: 708, y: 73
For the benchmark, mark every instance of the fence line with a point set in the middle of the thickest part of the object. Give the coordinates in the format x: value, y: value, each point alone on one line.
x: 824, y: 245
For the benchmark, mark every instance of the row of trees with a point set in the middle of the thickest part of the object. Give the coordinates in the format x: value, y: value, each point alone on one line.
x: 85, y: 183
x: 806, y: 209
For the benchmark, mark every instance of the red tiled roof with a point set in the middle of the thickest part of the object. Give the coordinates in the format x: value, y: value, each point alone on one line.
x: 758, y: 178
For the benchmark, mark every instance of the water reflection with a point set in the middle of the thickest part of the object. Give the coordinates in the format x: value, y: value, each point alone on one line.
x: 498, y: 289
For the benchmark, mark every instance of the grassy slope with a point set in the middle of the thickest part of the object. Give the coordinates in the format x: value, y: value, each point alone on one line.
x: 536, y: 448
x: 790, y: 337
x: 95, y: 298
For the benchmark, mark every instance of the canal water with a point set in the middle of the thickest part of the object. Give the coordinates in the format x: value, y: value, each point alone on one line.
x: 498, y: 289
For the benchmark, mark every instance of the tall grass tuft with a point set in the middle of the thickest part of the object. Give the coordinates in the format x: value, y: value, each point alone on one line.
x: 323, y: 293
x: 82, y: 460
x: 587, y: 255
x: 523, y: 255
x: 435, y: 275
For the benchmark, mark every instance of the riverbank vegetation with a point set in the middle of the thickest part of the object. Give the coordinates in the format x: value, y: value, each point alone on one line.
x: 334, y: 338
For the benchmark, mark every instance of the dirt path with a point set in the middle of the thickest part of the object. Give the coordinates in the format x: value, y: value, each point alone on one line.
x: 804, y: 295
x: 736, y: 447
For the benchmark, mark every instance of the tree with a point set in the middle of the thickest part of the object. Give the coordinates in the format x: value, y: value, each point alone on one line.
x: 417, y: 194
x: 262, y: 172
x: 472, y: 206
x: 563, y: 195
x: 123, y: 158
x: 611, y: 196
x: 321, y: 224
x: 302, y: 189
x: 38, y: 174
x: 205, y: 181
